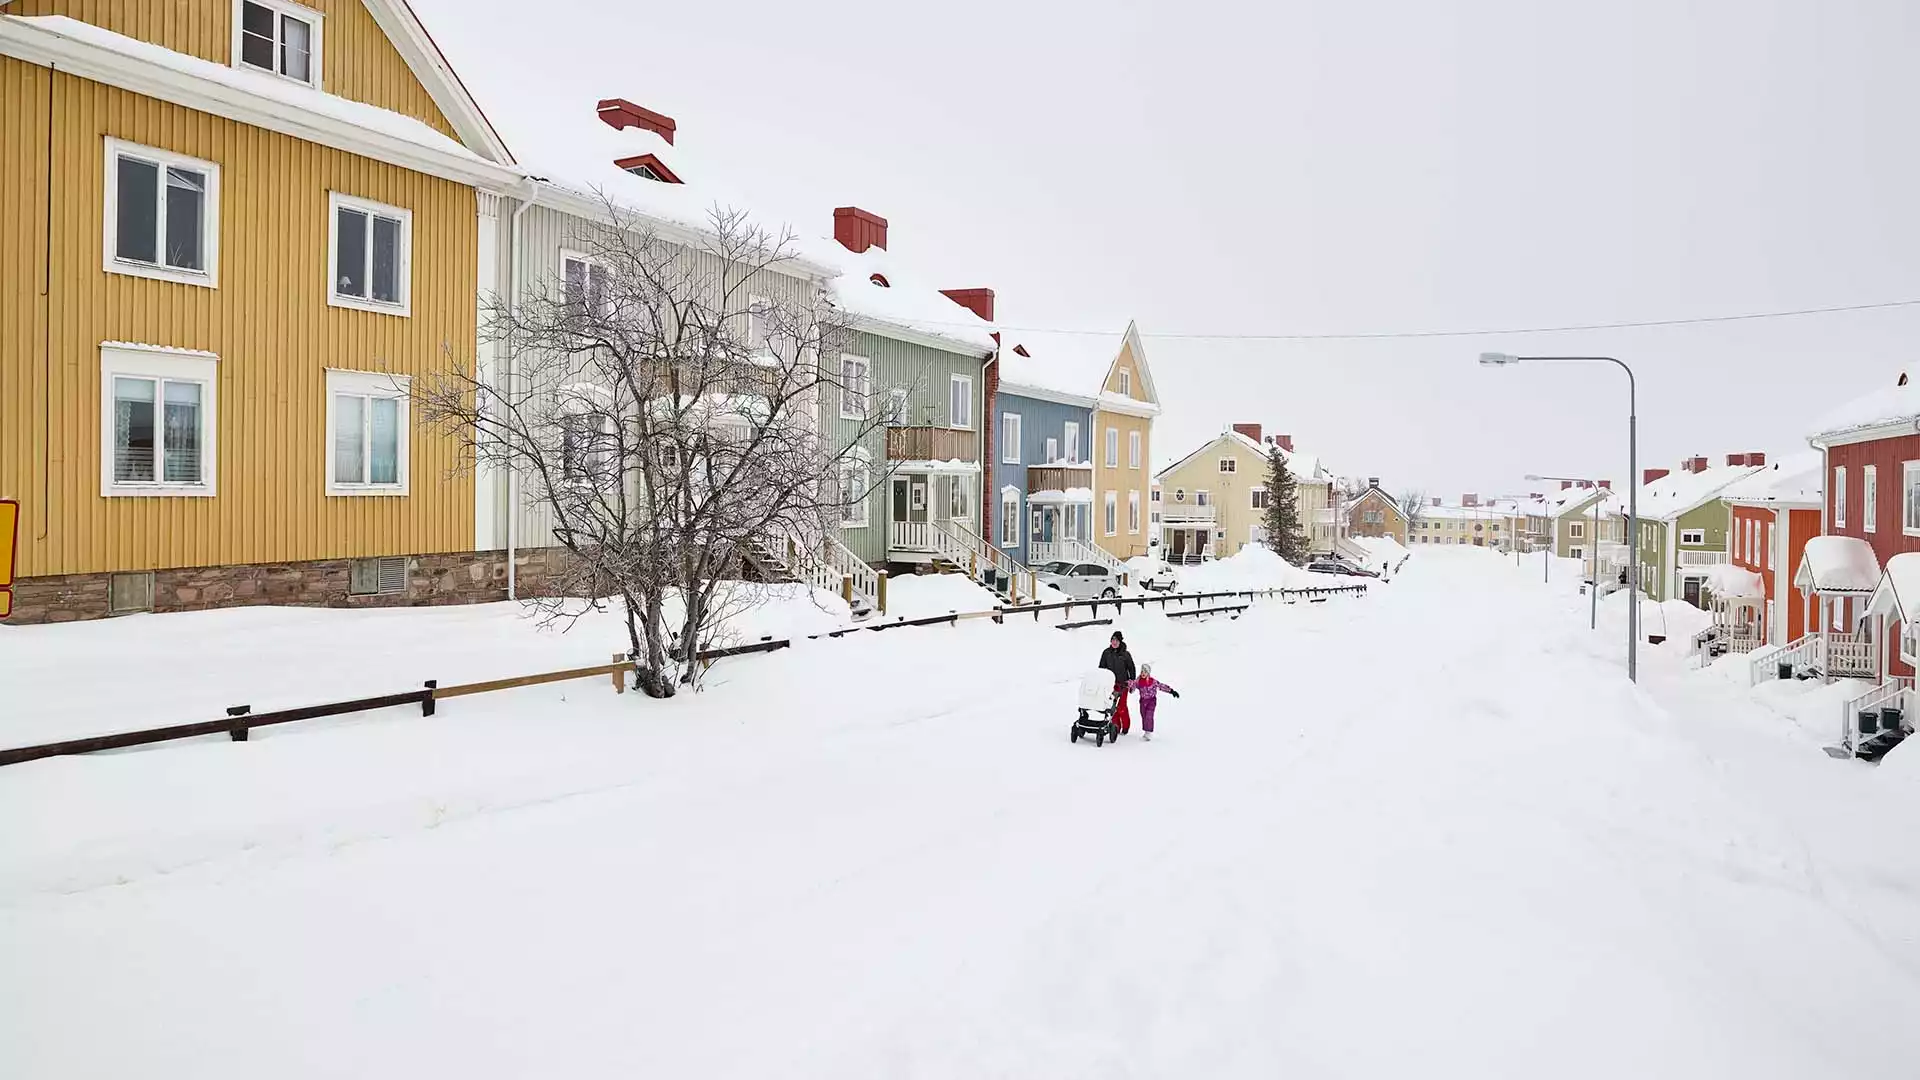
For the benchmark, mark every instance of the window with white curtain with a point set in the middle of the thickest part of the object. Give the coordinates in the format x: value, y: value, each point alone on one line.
x: 367, y: 421
x: 157, y: 422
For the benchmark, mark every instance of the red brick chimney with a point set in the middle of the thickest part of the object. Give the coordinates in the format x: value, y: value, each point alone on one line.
x: 1696, y: 464
x: 857, y: 229
x: 620, y: 114
x: 1469, y: 500
x: 1285, y: 442
x: 1565, y: 484
x: 978, y: 301
x: 1607, y: 484
x: 1536, y: 495
x: 1251, y: 431
x: 1736, y: 459
x: 1756, y: 458
x: 1436, y: 500
x: 1648, y: 476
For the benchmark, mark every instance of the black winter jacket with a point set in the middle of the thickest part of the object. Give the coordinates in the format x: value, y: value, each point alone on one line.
x: 1119, y: 661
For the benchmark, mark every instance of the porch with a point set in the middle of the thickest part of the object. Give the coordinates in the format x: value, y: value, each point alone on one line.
x: 1059, y: 520
x: 925, y: 502
x: 1186, y: 532
x: 1736, y: 597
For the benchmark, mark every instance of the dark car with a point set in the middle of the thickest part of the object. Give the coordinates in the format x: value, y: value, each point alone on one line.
x: 1338, y: 566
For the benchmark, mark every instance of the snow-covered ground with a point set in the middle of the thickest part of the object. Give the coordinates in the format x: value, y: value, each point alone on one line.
x: 1432, y: 832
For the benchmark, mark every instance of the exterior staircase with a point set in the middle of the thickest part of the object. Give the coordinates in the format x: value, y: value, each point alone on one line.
x: 834, y: 568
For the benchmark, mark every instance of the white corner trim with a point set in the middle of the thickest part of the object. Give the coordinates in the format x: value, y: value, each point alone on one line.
x: 161, y: 362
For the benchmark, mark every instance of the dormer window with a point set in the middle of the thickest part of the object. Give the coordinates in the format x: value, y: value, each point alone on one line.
x: 278, y: 36
x: 644, y: 172
x: 647, y: 167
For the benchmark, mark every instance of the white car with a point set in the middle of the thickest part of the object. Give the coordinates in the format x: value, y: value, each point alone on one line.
x: 1082, y: 581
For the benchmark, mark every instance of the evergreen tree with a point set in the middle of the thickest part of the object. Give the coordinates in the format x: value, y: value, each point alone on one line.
x: 1285, y: 533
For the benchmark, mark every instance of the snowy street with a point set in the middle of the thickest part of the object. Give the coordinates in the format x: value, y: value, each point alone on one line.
x: 1430, y: 832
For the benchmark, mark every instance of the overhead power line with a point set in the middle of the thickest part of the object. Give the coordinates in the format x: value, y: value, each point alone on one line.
x: 1482, y: 332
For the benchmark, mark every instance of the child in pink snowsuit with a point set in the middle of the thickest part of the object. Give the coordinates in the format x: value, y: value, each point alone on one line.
x: 1149, y: 689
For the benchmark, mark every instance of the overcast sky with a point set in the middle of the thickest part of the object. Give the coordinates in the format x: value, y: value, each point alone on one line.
x: 1300, y: 167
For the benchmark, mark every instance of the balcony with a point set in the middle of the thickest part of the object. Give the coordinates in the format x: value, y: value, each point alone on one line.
x: 1702, y: 558
x: 1186, y: 515
x: 932, y: 444
x: 1055, y: 478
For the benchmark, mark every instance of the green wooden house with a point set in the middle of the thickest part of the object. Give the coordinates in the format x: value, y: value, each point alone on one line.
x: 1683, y: 526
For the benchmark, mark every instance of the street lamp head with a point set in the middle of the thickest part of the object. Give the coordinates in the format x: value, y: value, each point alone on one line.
x: 1533, y: 476
x: 1497, y: 359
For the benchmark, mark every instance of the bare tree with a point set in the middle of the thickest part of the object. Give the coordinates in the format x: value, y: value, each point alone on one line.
x: 665, y: 415
x: 1413, y: 502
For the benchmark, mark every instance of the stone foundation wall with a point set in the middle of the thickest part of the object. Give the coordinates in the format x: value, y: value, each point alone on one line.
x: 472, y: 577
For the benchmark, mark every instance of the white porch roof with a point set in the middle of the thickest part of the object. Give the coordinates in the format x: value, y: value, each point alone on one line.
x: 1070, y: 495
x: 1838, y: 564
x: 1733, y: 583
x: 1899, y: 590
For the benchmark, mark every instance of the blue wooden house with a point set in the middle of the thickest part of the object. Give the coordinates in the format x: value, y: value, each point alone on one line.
x: 1043, y: 463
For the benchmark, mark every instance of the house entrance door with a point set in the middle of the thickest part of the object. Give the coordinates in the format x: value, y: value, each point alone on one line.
x: 1690, y: 590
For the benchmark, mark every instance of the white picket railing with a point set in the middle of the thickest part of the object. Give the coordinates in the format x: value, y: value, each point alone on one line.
x: 1023, y: 583
x: 1894, y: 691
x: 1845, y: 656
x: 1702, y: 558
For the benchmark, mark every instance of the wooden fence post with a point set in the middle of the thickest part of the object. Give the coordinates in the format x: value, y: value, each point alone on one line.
x: 238, y: 732
x: 426, y: 699
x: 846, y: 588
x: 619, y: 674
x: 881, y: 577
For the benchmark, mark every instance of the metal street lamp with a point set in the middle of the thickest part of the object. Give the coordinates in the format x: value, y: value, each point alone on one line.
x: 1494, y: 359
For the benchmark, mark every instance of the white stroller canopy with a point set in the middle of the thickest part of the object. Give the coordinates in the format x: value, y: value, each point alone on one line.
x: 1096, y: 689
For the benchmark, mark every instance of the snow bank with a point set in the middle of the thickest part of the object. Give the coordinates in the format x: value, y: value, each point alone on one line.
x: 1734, y: 582
x: 1386, y: 552
x: 1839, y: 564
x: 1252, y: 567
x: 917, y: 596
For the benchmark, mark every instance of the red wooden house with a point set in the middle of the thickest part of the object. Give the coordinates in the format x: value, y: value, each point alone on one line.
x: 1774, y: 513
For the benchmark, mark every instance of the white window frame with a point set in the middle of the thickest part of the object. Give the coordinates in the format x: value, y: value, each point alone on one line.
x: 1576, y: 553
x: 1576, y: 530
x: 1133, y: 450
x: 338, y: 201
x: 758, y: 337
x: 1113, y: 448
x: 1869, y: 498
x: 209, y: 218
x: 315, y: 20
x: 588, y: 473
x: 1053, y: 450
x: 372, y: 384
x: 1256, y: 495
x: 1133, y: 513
x: 1009, y: 517
x: 1111, y: 520
x: 862, y: 397
x: 1910, y: 642
x: 1766, y: 541
x: 1839, y: 496
x: 959, y: 500
x: 568, y: 255
x: 1201, y: 497
x: 954, y: 384
x: 1696, y: 537
x: 1909, y: 480
x: 1010, y: 438
x: 856, y: 514
x: 171, y: 365
x: 1229, y: 465
x: 1070, y: 440
x: 1126, y: 382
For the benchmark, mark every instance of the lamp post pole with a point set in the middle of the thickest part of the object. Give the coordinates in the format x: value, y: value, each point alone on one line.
x: 1490, y: 359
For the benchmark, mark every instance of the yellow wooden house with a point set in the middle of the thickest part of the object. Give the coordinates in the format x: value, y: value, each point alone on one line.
x: 232, y: 234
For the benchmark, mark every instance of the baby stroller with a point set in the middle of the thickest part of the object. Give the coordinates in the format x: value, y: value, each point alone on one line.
x: 1099, y: 697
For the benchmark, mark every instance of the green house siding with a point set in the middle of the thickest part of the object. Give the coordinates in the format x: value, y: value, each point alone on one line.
x: 1709, y: 518
x: 1653, y: 559
x: 923, y: 375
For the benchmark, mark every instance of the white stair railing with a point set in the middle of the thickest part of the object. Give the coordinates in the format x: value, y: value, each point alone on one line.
x: 1078, y: 551
x: 1841, y: 655
x: 1894, y: 691
x: 984, y: 554
x: 845, y: 564
x: 1801, y: 652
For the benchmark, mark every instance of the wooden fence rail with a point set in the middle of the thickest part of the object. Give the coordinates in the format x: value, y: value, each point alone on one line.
x: 241, y: 719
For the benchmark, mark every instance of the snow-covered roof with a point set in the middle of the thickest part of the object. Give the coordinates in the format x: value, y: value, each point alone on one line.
x: 1895, y: 400
x: 566, y: 144
x: 1792, y: 481
x: 1730, y: 582
x: 71, y: 39
x: 1070, y: 495
x: 1073, y: 362
x: 1831, y: 564
x: 1306, y: 468
x: 1680, y: 491
x: 1466, y: 513
x: 1898, y: 591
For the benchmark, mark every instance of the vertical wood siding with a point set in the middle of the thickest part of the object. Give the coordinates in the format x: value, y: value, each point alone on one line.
x: 1889, y: 457
x: 544, y: 232
x: 358, y: 62
x: 924, y: 372
x: 1039, y: 421
x: 1124, y: 479
x: 268, y: 322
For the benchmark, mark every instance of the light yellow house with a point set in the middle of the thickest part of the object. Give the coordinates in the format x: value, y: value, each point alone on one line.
x: 1213, y: 502
x: 236, y: 231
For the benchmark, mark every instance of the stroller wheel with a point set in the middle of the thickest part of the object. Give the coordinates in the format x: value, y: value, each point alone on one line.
x: 1073, y: 734
x: 1100, y: 739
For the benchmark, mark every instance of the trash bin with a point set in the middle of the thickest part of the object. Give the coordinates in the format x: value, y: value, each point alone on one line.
x: 1869, y: 722
x: 1784, y: 670
x: 1890, y: 718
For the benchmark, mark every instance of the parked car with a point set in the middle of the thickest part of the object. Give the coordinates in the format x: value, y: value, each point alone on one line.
x: 1340, y: 567
x: 1082, y: 581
